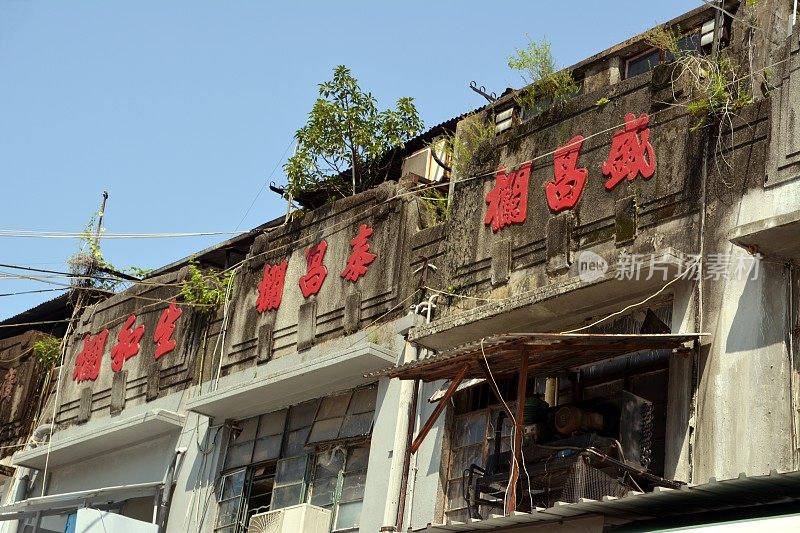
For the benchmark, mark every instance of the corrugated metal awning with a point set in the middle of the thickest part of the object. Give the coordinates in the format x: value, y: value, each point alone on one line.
x: 732, y: 494
x: 549, y: 354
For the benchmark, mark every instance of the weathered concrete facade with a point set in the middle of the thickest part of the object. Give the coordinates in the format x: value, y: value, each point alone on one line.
x: 255, y: 402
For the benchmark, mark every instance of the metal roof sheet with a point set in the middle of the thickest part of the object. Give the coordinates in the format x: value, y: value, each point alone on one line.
x: 736, y: 493
x: 549, y: 353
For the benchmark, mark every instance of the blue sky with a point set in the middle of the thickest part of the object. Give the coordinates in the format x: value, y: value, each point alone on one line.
x: 182, y: 109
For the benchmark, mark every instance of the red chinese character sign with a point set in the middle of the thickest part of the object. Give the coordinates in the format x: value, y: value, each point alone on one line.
x: 165, y: 329
x: 270, y: 289
x: 631, y: 154
x: 316, y: 272
x: 8, y: 384
x: 361, y: 257
x: 568, y: 180
x: 127, y: 344
x: 508, y: 200
x: 87, y: 363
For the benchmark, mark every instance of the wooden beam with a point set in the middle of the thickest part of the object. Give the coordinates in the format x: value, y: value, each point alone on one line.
x: 426, y: 428
x: 495, y: 390
x: 522, y: 384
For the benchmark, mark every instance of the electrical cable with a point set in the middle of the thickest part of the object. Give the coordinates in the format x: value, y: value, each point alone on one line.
x: 32, y: 292
x: 264, y: 184
x: 514, y: 422
x: 41, y: 234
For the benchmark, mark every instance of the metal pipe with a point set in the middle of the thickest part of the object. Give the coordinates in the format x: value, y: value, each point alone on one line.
x: 790, y: 347
x: 165, y: 501
x: 412, y: 418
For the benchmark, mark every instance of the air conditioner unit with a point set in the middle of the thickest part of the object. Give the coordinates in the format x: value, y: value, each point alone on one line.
x: 422, y: 163
x: 303, y: 518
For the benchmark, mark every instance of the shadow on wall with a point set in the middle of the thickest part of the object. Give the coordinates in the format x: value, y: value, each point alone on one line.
x: 760, y: 312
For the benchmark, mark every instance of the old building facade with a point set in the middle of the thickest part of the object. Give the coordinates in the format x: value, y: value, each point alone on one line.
x: 599, y: 333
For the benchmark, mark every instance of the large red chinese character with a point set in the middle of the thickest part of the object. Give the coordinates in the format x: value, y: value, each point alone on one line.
x: 87, y: 364
x: 165, y: 329
x: 315, y: 271
x: 631, y: 152
x: 127, y: 343
x: 270, y: 289
x: 360, y: 258
x: 508, y: 200
x: 568, y: 181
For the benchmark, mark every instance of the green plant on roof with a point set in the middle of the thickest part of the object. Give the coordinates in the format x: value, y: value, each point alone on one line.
x: 460, y: 148
x: 47, y: 350
x: 88, y: 265
x: 346, y: 142
x: 203, y: 290
x: 545, y: 82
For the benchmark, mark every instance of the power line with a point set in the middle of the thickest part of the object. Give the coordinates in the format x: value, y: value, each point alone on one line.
x: 264, y: 184
x: 42, y: 234
x: 32, y: 292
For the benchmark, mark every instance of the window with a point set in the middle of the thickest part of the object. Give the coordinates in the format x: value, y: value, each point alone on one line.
x: 229, y: 502
x: 472, y: 437
x: 648, y: 60
x: 315, y: 451
x: 340, y: 474
x: 471, y: 444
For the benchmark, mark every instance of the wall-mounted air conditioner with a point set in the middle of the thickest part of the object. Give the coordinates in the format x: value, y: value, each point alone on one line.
x: 422, y: 163
x: 303, y: 518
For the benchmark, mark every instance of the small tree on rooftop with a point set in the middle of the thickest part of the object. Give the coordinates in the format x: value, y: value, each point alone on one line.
x: 346, y: 139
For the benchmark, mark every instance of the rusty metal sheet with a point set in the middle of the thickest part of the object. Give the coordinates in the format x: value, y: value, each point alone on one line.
x: 549, y: 353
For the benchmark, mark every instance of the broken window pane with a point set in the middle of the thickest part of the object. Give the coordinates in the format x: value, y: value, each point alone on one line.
x: 329, y: 463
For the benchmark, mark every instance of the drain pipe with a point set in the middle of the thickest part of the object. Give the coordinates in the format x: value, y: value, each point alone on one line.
x: 161, y: 512
x: 406, y: 423
x: 406, y: 490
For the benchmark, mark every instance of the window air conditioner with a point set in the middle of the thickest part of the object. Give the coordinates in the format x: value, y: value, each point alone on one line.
x: 303, y: 518
x: 422, y: 163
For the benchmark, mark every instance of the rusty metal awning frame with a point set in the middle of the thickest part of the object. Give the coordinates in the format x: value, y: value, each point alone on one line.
x: 523, y: 355
x: 549, y: 354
